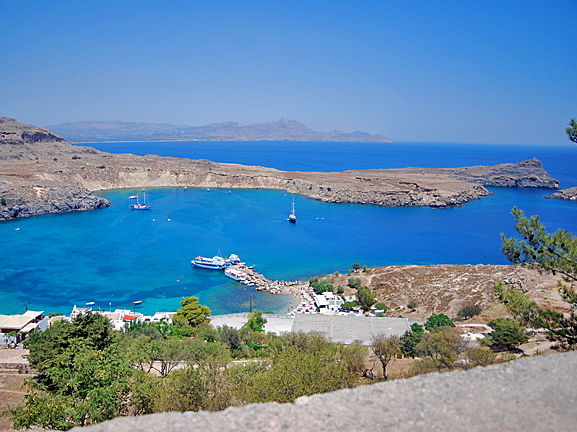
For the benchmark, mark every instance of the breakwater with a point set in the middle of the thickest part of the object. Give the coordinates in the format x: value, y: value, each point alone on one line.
x: 262, y: 283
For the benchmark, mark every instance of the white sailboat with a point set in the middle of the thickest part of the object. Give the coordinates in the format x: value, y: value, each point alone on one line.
x: 141, y: 206
x: 292, y: 217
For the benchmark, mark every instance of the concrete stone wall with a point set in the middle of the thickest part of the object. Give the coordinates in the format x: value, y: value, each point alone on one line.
x: 537, y: 393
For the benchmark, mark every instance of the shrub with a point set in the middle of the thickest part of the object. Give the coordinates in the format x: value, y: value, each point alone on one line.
x: 481, y: 357
x: 438, y: 321
x: 411, y: 339
x: 469, y: 311
x: 321, y: 286
x: 381, y: 306
x: 507, y: 332
x: 355, y: 283
x: 365, y: 298
x: 349, y: 305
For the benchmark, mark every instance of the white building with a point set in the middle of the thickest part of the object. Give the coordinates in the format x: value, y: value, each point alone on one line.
x: 327, y: 302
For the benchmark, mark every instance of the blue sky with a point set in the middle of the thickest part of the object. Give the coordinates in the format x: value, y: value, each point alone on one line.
x: 434, y: 71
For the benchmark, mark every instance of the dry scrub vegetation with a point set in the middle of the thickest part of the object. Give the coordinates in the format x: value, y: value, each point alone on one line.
x: 434, y: 289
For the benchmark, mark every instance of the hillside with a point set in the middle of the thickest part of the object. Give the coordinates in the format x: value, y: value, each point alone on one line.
x: 282, y: 130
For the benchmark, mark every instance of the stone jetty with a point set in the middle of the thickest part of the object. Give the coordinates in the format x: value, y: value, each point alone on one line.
x: 262, y: 283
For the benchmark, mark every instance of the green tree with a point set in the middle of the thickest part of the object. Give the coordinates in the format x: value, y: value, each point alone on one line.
x: 381, y: 306
x: 136, y: 328
x: 83, y: 377
x: 365, y: 298
x: 255, y: 321
x: 385, y: 349
x: 182, y: 390
x: 437, y: 321
x: 231, y: 337
x: 555, y: 253
x: 356, y: 266
x: 144, y: 390
x: 442, y: 345
x: 355, y: 283
x: 167, y: 354
x: 469, y: 311
x: 572, y: 130
x: 354, y: 356
x: 349, y: 305
x: 507, y: 332
x: 546, y: 252
x: 321, y: 286
x: 411, y: 339
x: 191, y: 312
x: 306, y: 364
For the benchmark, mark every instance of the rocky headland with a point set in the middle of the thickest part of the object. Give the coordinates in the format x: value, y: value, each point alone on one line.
x: 566, y: 194
x: 41, y: 173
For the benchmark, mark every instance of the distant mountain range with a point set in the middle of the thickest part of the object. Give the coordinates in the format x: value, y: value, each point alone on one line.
x: 282, y: 130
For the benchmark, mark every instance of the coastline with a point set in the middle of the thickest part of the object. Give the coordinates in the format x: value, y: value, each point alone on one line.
x: 40, y: 173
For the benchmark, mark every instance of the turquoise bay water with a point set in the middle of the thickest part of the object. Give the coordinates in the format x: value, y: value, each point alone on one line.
x: 113, y: 256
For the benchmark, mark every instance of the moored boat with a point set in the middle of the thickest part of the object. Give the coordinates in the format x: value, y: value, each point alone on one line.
x: 141, y: 206
x: 235, y: 274
x: 292, y: 217
x: 214, y: 263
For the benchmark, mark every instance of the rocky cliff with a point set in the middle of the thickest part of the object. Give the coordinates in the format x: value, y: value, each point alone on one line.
x: 529, y: 173
x: 40, y: 173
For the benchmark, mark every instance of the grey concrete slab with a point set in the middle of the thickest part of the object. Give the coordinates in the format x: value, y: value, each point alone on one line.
x: 349, y: 328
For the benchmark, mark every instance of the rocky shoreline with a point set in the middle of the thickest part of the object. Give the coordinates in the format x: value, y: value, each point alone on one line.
x: 566, y: 194
x: 40, y: 173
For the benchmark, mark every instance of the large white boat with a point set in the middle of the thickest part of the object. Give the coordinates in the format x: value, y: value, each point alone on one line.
x: 144, y: 205
x: 235, y: 274
x: 216, y: 262
x: 233, y: 258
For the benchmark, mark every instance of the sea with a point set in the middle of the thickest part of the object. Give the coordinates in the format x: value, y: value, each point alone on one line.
x: 113, y: 257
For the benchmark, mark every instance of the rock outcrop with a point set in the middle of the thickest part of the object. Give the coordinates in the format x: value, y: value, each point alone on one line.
x: 566, y: 194
x: 46, y: 197
x: 34, y: 160
x: 528, y: 173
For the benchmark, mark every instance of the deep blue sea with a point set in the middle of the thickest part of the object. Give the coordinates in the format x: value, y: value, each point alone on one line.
x: 114, y: 256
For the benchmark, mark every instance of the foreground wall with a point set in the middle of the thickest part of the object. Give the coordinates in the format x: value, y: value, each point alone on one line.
x: 538, y: 393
